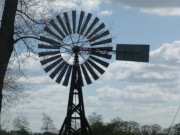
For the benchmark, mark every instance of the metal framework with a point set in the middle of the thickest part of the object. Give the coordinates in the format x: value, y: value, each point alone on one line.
x: 75, y: 109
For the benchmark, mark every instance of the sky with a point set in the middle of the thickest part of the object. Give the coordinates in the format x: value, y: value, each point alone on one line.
x: 148, y: 93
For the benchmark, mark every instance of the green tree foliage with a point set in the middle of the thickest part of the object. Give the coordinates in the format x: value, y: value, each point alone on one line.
x: 23, y: 132
x: 3, y: 132
x: 119, y: 127
x: 49, y: 133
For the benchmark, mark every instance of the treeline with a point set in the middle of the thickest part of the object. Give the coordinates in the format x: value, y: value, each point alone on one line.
x: 116, y: 126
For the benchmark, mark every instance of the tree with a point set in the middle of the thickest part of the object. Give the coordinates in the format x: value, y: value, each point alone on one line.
x: 3, y: 132
x: 155, y: 129
x: 21, y: 25
x: 47, y: 123
x: 94, y: 118
x: 5, y: 120
x: 49, y: 133
x: 6, y: 39
x: 21, y: 124
x: 118, y: 122
x: 13, y: 89
x: 126, y: 126
x: 176, y: 129
x: 145, y: 129
x: 109, y: 129
x: 12, y: 92
x: 96, y: 123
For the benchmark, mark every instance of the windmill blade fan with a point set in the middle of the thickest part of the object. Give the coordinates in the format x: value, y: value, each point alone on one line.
x: 75, y: 34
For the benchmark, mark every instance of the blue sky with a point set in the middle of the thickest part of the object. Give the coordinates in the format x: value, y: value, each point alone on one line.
x: 144, y: 92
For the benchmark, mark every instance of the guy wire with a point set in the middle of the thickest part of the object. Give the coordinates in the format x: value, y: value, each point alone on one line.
x: 174, y: 119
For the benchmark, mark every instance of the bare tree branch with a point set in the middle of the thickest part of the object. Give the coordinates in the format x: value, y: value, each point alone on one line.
x: 28, y: 17
x: 15, y: 41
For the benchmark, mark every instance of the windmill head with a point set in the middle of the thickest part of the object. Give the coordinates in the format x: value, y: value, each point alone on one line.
x: 80, y: 34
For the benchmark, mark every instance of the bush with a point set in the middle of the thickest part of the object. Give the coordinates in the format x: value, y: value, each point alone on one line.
x: 2, y: 132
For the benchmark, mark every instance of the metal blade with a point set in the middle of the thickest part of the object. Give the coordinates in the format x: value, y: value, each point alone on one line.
x: 67, y: 22
x: 47, y: 46
x: 45, y: 61
x: 62, y: 24
x: 100, y: 70
x: 130, y: 52
x: 58, y: 80
x: 51, y: 66
x: 99, y: 36
x: 51, y: 41
x: 92, y: 25
x: 109, y: 40
x: 103, y: 63
x: 87, y: 78
x: 80, y: 21
x: 86, y: 23
x: 94, y: 75
x: 74, y: 21
x: 54, y: 73
x: 107, y: 56
x: 52, y: 33
x: 65, y: 83
x: 48, y: 53
x: 96, y: 30
x: 57, y: 28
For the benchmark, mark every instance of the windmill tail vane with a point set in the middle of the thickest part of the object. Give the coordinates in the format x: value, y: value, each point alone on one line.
x: 132, y: 52
x: 77, y: 48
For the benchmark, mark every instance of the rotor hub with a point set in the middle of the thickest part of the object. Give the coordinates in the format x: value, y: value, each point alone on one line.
x: 76, y: 49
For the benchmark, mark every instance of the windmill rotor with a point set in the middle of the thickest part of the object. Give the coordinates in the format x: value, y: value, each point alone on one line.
x: 72, y: 33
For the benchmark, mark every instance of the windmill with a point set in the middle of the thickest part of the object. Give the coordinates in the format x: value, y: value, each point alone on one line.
x: 78, y: 47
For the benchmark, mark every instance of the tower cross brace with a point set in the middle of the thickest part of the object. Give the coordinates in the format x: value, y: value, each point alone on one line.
x: 75, y: 110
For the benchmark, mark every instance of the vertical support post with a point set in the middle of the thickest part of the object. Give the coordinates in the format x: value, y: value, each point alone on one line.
x: 75, y: 122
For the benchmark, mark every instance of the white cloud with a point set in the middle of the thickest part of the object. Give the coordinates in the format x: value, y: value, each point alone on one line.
x: 90, y: 5
x: 147, y: 3
x: 167, y: 54
x: 162, y: 11
x: 106, y: 12
x: 160, y: 7
x: 147, y: 104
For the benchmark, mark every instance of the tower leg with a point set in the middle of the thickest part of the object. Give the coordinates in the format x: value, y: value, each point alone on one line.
x: 75, y: 122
